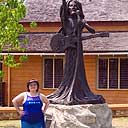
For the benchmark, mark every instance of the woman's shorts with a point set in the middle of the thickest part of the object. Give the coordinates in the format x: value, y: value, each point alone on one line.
x: 25, y: 124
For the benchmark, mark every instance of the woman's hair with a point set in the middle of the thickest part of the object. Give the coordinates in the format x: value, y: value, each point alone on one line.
x: 32, y: 81
x: 79, y: 6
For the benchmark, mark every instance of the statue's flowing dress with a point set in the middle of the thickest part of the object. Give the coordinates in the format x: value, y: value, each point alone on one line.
x: 74, y: 88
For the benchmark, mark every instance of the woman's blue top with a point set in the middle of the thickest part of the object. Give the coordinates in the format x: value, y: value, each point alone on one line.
x: 32, y: 108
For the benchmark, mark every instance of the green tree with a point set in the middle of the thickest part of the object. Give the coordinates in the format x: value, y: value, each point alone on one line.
x: 11, y: 12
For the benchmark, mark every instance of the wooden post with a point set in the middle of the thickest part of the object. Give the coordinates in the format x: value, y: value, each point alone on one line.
x: 9, y: 86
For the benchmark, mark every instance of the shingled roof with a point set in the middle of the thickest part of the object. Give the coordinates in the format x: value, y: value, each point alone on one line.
x: 117, y: 41
x: 94, y: 10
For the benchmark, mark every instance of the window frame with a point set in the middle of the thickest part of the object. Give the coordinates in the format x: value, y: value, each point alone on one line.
x: 53, y: 57
x: 108, y: 58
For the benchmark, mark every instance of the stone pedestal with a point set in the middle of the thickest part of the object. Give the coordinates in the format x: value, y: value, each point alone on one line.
x: 79, y: 116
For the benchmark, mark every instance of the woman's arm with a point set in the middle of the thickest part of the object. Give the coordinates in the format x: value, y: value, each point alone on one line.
x: 17, y: 101
x: 64, y: 10
x: 88, y: 27
x: 63, y: 16
x: 46, y: 101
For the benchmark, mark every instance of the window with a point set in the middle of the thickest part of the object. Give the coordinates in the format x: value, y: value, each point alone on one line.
x: 113, y: 73
x: 103, y: 66
x: 53, y: 72
x: 124, y: 73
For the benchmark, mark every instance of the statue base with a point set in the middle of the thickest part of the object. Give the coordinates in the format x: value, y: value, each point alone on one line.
x: 79, y: 116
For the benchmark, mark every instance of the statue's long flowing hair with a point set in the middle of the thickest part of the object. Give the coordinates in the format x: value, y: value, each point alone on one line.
x: 66, y: 14
x: 79, y: 6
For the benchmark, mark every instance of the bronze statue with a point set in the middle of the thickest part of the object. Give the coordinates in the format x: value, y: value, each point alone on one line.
x: 74, y: 88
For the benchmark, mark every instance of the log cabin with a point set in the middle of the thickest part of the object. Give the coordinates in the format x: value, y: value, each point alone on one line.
x: 105, y: 59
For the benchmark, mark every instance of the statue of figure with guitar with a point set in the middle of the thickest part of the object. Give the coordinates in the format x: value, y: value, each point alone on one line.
x: 74, y: 87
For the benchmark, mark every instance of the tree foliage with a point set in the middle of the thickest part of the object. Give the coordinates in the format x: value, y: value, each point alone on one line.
x: 11, y: 12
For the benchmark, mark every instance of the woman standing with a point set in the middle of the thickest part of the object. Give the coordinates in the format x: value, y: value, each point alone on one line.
x: 34, y: 105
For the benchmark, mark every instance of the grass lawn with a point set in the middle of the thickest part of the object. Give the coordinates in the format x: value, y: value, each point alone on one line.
x: 10, y: 124
x: 121, y: 122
